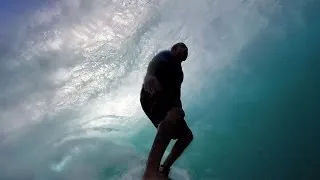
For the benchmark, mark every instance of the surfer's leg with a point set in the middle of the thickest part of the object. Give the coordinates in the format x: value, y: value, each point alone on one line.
x: 158, y: 148
x: 184, y: 139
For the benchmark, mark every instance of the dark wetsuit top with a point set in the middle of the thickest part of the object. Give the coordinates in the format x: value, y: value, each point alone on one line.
x: 169, y: 73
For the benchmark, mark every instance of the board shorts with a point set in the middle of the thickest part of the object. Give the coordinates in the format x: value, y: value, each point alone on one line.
x: 156, y: 109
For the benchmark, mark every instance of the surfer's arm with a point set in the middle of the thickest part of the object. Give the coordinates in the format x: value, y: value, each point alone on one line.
x: 151, y: 83
x: 154, y: 65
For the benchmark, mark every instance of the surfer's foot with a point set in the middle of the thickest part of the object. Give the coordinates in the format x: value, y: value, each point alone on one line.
x: 164, y: 170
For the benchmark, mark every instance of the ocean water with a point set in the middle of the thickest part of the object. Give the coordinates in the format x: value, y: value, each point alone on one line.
x: 71, y: 72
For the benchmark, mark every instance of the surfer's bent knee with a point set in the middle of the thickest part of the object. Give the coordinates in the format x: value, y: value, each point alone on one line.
x: 189, y: 136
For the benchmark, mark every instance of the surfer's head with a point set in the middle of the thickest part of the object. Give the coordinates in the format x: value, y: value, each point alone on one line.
x: 180, y: 51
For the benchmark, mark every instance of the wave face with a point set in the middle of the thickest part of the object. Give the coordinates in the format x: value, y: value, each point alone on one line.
x: 71, y: 72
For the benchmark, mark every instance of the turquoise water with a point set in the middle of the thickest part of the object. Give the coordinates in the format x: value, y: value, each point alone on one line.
x: 71, y: 73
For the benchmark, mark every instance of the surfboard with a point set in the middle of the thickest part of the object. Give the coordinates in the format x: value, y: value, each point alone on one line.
x: 136, y: 174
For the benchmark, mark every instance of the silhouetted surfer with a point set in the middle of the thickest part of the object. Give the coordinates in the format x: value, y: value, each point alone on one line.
x: 160, y: 100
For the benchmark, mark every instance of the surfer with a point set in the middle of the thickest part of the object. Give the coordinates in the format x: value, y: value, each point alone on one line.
x: 160, y: 100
